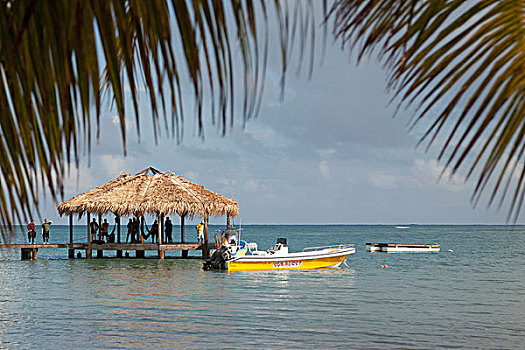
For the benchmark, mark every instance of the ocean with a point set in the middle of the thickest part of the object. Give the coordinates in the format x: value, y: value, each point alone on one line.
x: 471, y: 295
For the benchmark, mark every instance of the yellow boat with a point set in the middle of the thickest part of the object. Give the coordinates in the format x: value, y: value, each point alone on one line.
x: 278, y: 257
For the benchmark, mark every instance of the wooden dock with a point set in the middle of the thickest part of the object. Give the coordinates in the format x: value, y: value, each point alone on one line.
x: 30, y: 251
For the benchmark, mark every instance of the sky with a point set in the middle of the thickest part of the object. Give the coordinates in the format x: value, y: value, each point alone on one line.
x: 330, y: 153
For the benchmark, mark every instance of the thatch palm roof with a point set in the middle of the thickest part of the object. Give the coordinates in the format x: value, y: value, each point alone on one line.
x: 142, y: 194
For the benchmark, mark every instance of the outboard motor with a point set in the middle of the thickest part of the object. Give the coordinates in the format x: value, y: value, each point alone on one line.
x: 217, y: 260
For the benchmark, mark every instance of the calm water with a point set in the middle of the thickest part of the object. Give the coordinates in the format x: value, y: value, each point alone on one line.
x: 473, y: 297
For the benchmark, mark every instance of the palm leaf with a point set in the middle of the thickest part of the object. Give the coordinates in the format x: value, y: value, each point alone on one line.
x: 461, y: 65
x: 59, y: 59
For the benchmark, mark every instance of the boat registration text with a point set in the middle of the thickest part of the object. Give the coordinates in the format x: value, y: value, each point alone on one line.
x: 280, y: 264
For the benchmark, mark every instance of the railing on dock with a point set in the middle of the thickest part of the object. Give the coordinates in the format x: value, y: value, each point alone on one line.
x: 331, y: 247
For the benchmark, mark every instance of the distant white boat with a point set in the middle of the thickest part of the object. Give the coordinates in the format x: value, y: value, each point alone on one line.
x: 402, y: 227
x: 403, y: 248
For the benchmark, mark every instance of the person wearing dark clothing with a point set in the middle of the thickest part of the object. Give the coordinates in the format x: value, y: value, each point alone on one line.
x: 93, y: 226
x: 104, y: 230
x: 45, y: 231
x: 130, y: 231
x: 136, y: 230
x: 168, y: 229
x: 31, y: 231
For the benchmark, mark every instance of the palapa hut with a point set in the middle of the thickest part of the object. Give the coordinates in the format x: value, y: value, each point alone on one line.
x: 156, y: 194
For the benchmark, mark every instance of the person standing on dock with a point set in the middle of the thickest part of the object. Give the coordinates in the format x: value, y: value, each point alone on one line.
x: 130, y: 231
x: 136, y: 237
x: 31, y: 232
x: 45, y: 231
x: 168, y: 229
x: 200, y: 232
x: 93, y: 226
x: 104, y: 230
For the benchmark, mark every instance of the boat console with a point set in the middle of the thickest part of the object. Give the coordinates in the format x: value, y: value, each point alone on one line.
x: 280, y: 248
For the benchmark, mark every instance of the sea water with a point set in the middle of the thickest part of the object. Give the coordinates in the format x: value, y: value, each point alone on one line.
x: 470, y: 295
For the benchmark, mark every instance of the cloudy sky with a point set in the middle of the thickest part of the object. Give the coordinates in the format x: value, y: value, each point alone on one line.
x: 330, y: 153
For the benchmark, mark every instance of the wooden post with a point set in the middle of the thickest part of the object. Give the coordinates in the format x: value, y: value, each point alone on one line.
x: 99, y: 228
x: 184, y: 252
x: 205, y: 251
x: 100, y: 253
x: 161, y: 228
x: 141, y: 228
x: 29, y: 253
x: 88, y: 250
x: 71, y: 251
x: 117, y: 221
x: 227, y: 222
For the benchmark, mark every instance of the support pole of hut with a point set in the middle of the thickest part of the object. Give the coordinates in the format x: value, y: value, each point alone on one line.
x: 140, y: 253
x: 161, y: 229
x: 184, y: 252
x: 141, y: 228
x: 71, y: 251
x: 205, y: 250
x: 117, y: 220
x: 88, y: 250
x: 100, y: 253
x: 227, y: 222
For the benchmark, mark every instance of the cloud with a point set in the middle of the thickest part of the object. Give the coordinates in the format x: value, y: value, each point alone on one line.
x: 268, y: 137
x: 252, y: 185
x: 429, y: 173
x: 115, y: 119
x: 324, y: 153
x: 115, y: 164
x: 383, y: 180
x: 324, y: 169
x: 191, y: 175
x: 79, y: 180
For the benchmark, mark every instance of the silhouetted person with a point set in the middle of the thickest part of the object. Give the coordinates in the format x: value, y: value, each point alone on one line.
x: 130, y: 231
x: 93, y: 227
x: 136, y: 230
x: 168, y: 229
x: 104, y: 230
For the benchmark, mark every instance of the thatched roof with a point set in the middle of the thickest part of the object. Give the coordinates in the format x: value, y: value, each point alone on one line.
x: 142, y: 194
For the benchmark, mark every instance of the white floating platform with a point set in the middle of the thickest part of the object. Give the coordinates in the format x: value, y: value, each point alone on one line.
x: 402, y: 248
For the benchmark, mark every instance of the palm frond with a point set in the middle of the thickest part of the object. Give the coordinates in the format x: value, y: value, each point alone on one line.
x: 460, y: 64
x: 57, y: 61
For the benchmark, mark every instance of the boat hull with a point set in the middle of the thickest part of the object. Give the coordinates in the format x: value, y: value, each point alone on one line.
x: 402, y: 248
x: 410, y: 249
x: 292, y: 262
